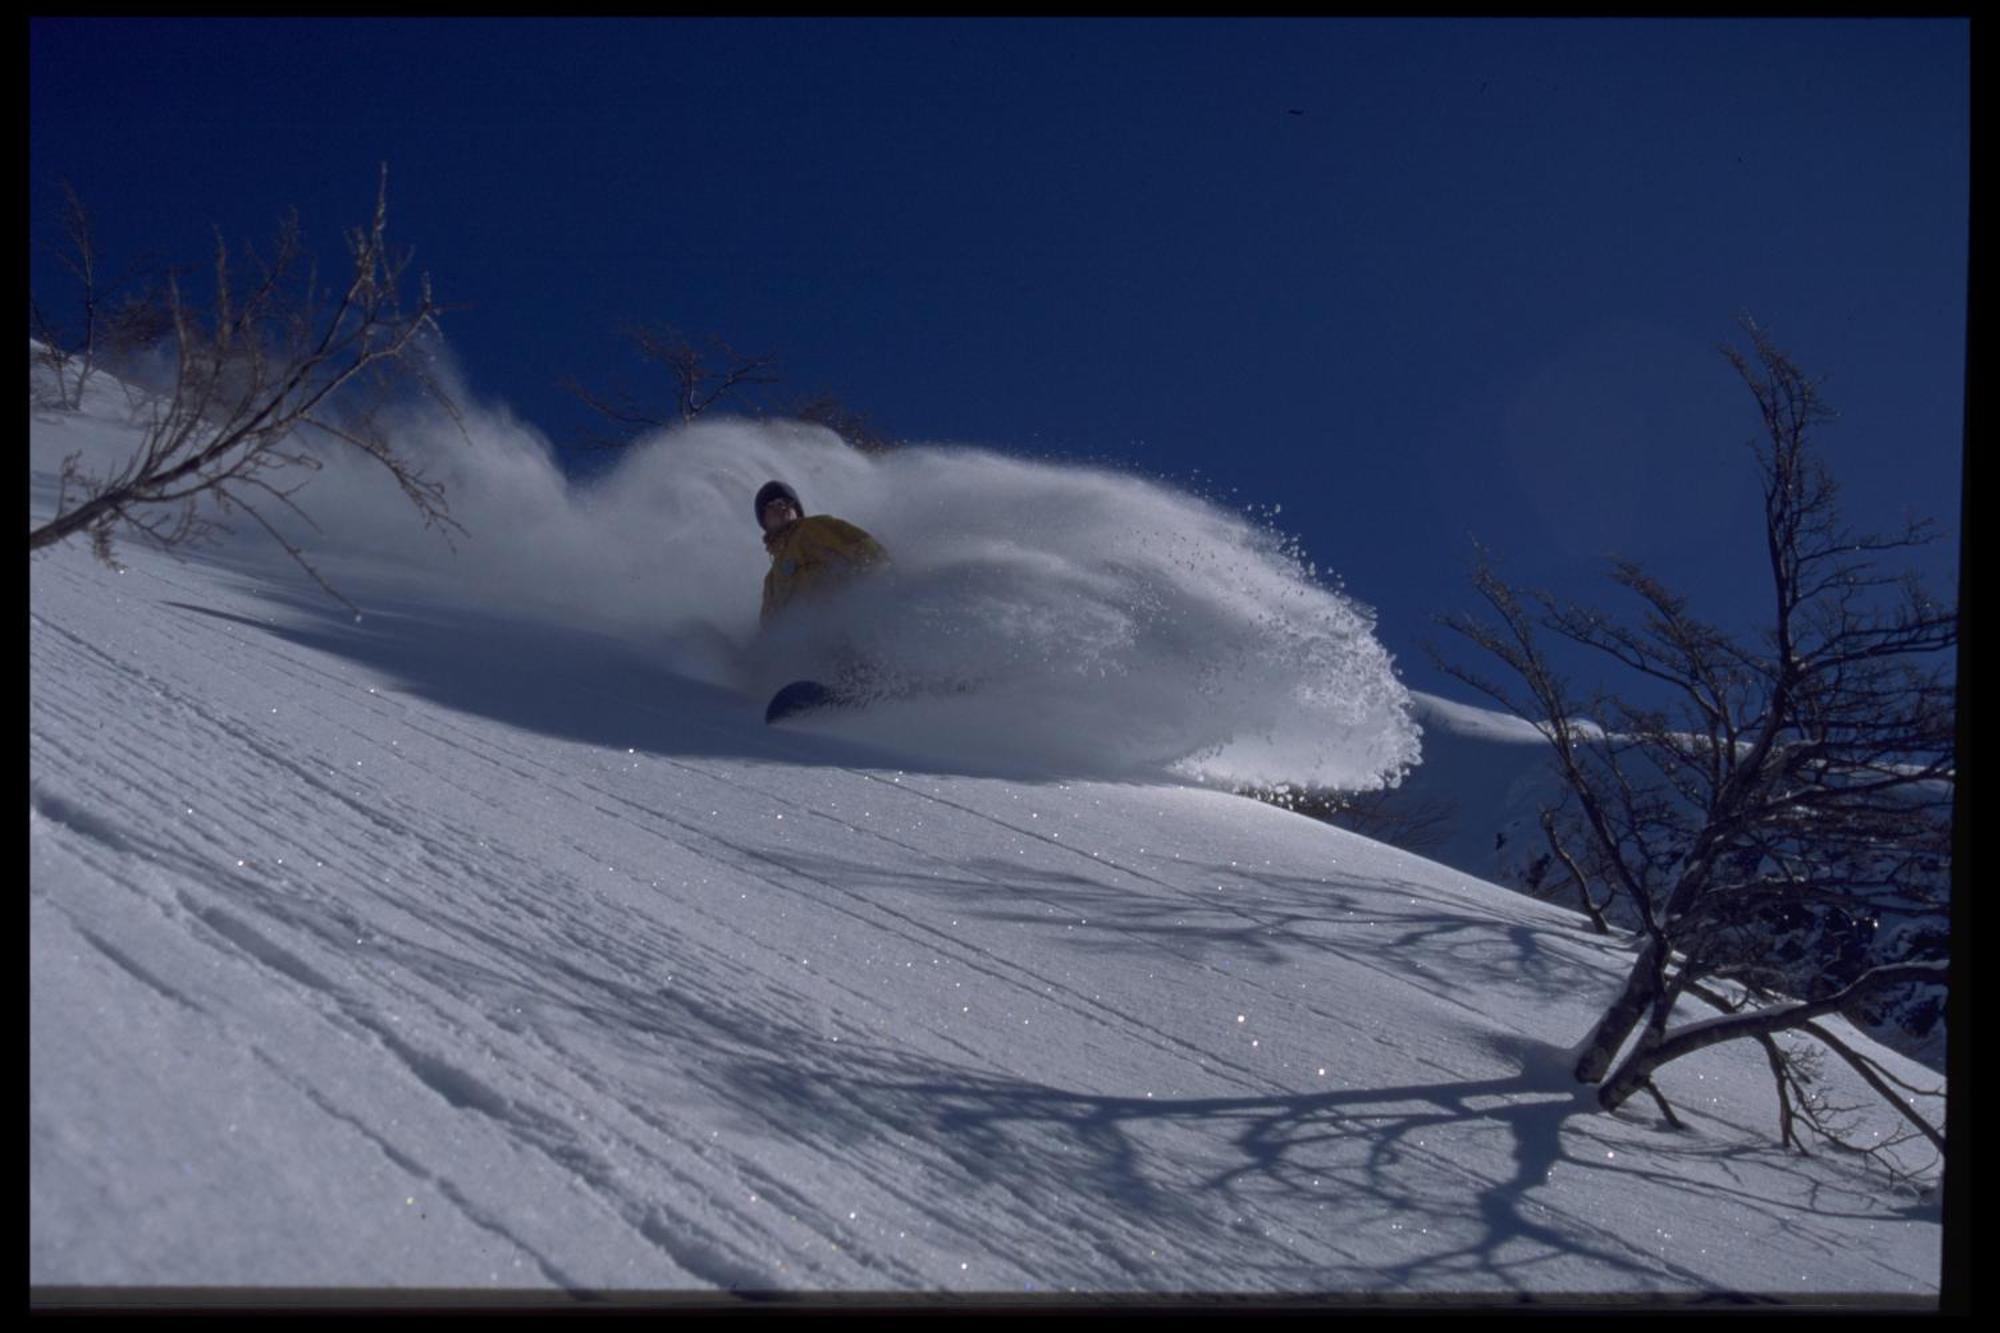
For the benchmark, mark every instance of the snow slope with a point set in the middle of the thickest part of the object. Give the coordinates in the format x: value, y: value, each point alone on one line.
x: 466, y: 946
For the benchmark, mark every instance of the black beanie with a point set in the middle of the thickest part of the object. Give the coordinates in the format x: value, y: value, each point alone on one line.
x: 775, y: 490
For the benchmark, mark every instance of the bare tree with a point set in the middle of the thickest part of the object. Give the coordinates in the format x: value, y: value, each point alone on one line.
x: 703, y: 376
x: 855, y: 427
x: 1778, y: 831
x: 270, y: 371
x: 699, y: 376
x: 106, y: 317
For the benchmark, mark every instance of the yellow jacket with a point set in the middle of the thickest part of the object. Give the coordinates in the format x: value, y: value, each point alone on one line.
x: 813, y: 555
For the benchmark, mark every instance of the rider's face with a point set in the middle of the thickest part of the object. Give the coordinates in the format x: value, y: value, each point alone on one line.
x: 778, y: 513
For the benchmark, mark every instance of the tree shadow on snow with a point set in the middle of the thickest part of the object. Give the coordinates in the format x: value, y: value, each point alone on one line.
x: 1210, y: 1174
x: 619, y: 993
x: 1241, y: 918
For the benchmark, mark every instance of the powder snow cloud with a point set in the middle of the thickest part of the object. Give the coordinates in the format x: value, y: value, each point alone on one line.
x: 1039, y: 616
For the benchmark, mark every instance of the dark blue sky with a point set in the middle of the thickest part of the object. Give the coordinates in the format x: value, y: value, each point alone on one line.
x: 1471, y: 287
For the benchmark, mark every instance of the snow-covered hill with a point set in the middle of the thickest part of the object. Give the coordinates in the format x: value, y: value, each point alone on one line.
x: 475, y: 946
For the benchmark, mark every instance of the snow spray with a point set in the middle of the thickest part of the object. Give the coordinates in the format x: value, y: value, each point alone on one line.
x: 1040, y: 616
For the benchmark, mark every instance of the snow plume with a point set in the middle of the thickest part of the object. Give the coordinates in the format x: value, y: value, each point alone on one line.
x: 1101, y: 622
x: 1038, y: 617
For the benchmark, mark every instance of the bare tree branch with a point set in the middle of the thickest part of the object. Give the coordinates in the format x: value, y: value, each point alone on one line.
x: 1591, y: 907
x: 257, y: 375
x: 700, y: 377
x: 1784, y: 819
x: 1708, y: 1032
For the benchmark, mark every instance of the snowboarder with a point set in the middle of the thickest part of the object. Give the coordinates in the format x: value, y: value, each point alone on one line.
x: 809, y: 556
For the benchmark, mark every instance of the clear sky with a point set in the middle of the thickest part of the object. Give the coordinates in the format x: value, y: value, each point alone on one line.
x: 1413, y: 281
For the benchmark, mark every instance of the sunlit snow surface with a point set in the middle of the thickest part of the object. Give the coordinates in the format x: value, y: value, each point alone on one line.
x: 494, y: 941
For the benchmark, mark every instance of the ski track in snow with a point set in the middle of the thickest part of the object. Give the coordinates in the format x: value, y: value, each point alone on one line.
x: 754, y: 1014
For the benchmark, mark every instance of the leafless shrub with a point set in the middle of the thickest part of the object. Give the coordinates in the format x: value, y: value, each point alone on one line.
x: 109, y: 317
x: 699, y: 376
x: 855, y: 427
x: 268, y: 372
x: 1795, y: 794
